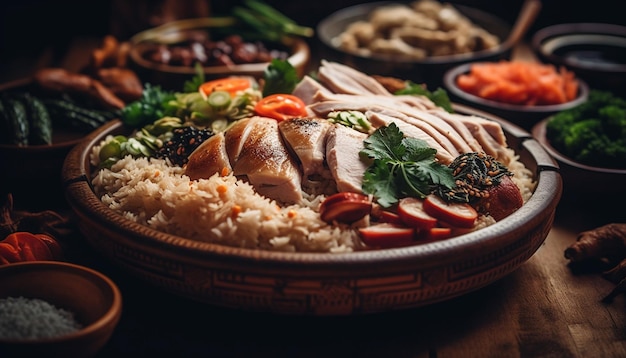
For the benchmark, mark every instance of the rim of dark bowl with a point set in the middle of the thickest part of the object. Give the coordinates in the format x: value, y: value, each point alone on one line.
x: 539, y: 133
x: 543, y: 43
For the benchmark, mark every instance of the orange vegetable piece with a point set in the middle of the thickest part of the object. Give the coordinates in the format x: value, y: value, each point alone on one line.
x: 518, y: 82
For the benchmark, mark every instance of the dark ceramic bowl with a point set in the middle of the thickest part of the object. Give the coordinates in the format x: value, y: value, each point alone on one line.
x: 523, y: 116
x: 174, y: 76
x: 596, y: 52
x: 32, y: 173
x: 429, y: 70
x: 93, y: 299
x: 582, y: 181
x: 300, y: 283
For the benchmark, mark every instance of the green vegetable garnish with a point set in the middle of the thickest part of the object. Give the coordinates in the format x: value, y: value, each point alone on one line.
x: 439, y: 96
x: 267, y: 23
x: 280, y: 77
x: 593, y: 133
x: 352, y: 119
x: 401, y: 167
x: 153, y: 104
x: 194, y: 83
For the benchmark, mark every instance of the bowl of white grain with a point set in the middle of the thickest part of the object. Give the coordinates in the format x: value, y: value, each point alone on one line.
x: 53, y: 306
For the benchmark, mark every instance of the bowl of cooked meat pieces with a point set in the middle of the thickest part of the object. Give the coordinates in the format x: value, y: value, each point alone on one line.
x: 337, y: 198
x: 172, y: 53
x: 414, y: 40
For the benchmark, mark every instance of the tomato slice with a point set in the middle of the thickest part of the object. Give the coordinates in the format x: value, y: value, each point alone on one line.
x: 281, y: 107
x: 456, y: 214
x: 387, y: 235
x: 231, y: 85
x: 345, y: 207
x: 411, y: 212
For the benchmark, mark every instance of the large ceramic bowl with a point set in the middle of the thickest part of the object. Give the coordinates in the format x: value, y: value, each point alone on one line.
x: 184, y: 31
x: 429, y: 70
x: 353, y: 283
x: 525, y: 116
x: 94, y: 301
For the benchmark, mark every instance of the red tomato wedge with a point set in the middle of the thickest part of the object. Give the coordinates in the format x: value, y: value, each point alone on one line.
x: 231, y: 85
x: 345, y: 207
x: 412, y: 213
x: 386, y: 235
x: 456, y: 214
x: 281, y: 107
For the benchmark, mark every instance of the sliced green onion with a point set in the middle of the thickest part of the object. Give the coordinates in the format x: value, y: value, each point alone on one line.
x: 219, y: 100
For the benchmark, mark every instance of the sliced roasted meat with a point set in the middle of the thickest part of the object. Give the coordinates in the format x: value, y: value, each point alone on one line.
x: 340, y: 78
x: 306, y: 137
x: 489, y: 143
x: 209, y: 158
x: 400, y: 107
x: 307, y: 88
x: 236, y: 136
x: 381, y: 118
x: 266, y: 162
x: 342, y: 155
x: 460, y: 128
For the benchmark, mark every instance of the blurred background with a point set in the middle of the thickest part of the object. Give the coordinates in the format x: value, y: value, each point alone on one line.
x: 28, y: 26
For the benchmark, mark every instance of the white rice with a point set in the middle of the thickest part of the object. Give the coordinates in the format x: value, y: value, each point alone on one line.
x: 228, y: 211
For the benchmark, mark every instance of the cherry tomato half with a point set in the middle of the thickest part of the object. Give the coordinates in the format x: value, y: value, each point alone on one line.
x: 231, y: 85
x: 280, y: 107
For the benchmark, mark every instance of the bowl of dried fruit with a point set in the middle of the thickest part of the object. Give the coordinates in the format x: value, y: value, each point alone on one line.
x: 54, y: 306
x: 170, y: 54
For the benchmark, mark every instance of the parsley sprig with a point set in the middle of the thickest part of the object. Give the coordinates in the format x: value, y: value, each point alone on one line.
x: 401, y: 167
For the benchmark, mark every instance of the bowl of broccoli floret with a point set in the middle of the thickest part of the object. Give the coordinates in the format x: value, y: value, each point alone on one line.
x: 589, y: 144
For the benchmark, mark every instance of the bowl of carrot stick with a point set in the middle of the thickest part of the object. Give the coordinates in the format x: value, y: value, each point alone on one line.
x: 521, y: 92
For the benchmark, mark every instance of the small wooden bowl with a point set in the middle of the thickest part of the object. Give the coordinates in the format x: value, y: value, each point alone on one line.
x: 173, y: 77
x: 93, y: 298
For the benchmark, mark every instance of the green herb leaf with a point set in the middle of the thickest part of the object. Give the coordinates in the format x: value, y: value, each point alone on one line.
x: 194, y: 83
x: 280, y: 77
x: 401, y: 167
x: 439, y: 96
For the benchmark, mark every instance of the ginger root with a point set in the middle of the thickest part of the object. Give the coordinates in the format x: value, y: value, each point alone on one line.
x: 606, y: 243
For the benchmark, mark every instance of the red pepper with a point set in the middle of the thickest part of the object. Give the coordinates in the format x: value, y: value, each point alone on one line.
x: 281, y: 107
x: 26, y: 246
x: 231, y: 85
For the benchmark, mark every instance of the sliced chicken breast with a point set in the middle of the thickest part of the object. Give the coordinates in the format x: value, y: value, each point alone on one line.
x: 306, y: 137
x: 266, y: 162
x: 209, y: 158
x: 342, y: 154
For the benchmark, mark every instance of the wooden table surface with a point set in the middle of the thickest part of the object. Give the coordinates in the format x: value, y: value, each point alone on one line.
x: 543, y: 309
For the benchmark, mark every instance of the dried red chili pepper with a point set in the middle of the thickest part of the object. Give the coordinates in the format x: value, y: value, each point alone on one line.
x: 26, y: 246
